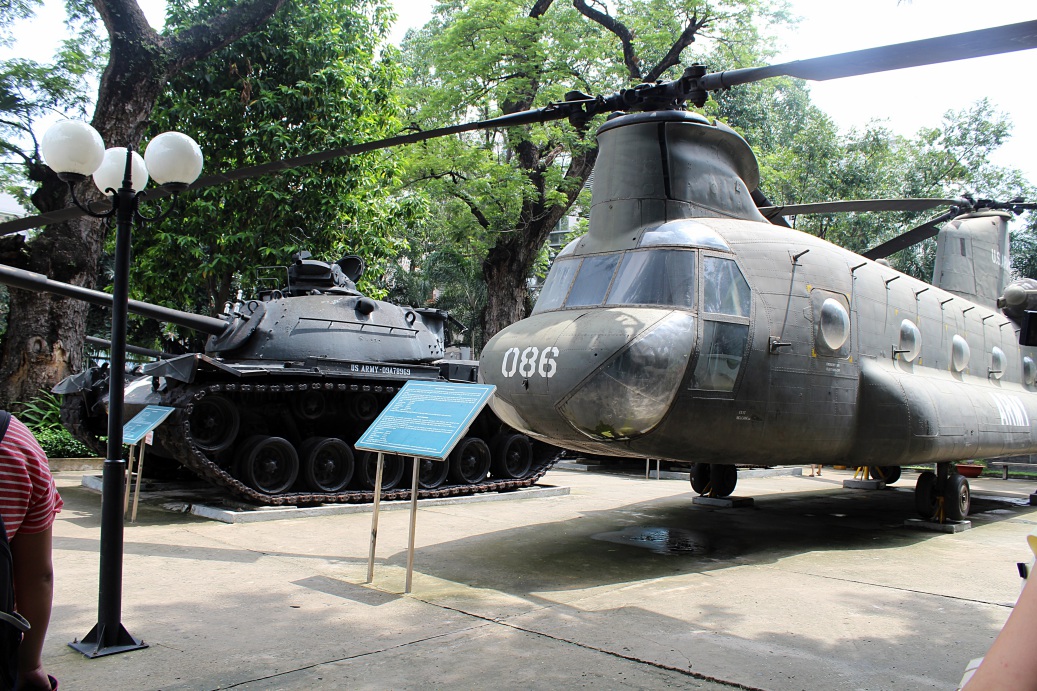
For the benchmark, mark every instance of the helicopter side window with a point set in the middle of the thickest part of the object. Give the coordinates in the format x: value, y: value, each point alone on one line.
x: 592, y: 280
x: 556, y: 287
x: 724, y: 290
x: 658, y: 277
x: 723, y: 346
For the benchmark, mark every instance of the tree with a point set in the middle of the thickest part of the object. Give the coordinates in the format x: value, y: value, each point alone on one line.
x: 483, y: 58
x: 45, y: 334
x: 309, y: 80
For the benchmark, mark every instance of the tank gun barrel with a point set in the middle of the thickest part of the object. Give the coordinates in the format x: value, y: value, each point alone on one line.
x: 29, y: 280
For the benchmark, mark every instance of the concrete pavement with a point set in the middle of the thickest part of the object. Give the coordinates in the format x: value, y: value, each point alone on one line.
x: 622, y: 583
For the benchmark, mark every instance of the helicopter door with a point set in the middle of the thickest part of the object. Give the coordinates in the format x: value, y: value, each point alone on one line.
x: 726, y: 303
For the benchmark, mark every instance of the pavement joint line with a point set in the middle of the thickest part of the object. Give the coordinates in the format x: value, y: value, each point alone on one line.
x: 611, y: 653
x: 359, y: 655
x: 913, y: 591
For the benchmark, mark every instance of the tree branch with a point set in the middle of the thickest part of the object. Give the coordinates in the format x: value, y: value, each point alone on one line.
x: 621, y: 32
x: 686, y: 38
x: 200, y: 40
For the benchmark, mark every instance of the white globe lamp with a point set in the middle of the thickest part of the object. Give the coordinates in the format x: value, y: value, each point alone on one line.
x: 173, y: 159
x: 112, y: 172
x: 73, y: 149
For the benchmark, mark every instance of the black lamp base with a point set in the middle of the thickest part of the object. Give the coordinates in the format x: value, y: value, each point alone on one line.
x: 107, y: 641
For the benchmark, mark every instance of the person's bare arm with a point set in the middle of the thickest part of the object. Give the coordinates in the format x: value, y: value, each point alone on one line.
x: 1010, y: 664
x: 33, y: 593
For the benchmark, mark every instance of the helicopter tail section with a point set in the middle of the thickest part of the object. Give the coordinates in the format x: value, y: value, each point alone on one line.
x: 972, y: 256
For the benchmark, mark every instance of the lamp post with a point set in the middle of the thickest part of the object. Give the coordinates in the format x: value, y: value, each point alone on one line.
x: 75, y: 150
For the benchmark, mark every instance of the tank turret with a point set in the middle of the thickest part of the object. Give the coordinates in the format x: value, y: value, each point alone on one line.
x: 287, y: 383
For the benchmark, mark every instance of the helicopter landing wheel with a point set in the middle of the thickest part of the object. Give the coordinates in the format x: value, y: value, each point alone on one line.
x: 724, y: 479
x: 214, y: 424
x: 366, y: 473
x: 887, y: 473
x: 327, y: 464
x: 431, y: 474
x: 700, y: 477
x: 268, y: 464
x: 512, y: 456
x: 470, y: 461
x: 926, y: 502
x: 957, y: 498
x: 364, y: 407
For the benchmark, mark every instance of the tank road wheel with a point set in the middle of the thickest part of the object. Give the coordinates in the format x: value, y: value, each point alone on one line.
x: 925, y: 495
x: 327, y: 464
x: 431, y: 474
x: 311, y: 406
x: 364, y: 407
x: 268, y: 464
x: 725, y: 477
x: 214, y: 424
x: 512, y: 456
x: 470, y: 461
x: 700, y: 477
x: 367, y: 469
x: 957, y: 498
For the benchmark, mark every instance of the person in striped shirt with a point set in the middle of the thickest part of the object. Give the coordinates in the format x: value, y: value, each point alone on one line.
x: 29, y: 502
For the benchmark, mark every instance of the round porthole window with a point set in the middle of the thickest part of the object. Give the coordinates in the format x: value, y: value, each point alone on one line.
x: 835, y: 324
x: 997, y: 362
x: 1029, y: 371
x: 959, y: 353
x: 910, y: 340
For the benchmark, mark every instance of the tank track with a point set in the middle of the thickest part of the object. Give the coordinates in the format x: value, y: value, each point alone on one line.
x: 177, y: 437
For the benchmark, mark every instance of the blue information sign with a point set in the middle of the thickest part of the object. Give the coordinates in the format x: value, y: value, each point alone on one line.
x: 143, y: 422
x: 426, y: 419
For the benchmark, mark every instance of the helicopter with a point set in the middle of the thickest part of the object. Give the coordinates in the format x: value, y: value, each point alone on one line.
x: 691, y: 323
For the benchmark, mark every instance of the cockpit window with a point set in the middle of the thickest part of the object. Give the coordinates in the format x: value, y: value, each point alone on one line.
x: 724, y: 290
x: 592, y: 281
x: 556, y: 287
x: 660, y: 277
x: 645, y: 277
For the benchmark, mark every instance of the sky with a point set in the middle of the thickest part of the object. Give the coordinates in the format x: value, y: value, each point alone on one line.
x: 904, y: 99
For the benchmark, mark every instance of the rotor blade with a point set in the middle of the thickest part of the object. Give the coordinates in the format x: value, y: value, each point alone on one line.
x: 761, y: 201
x: 972, y: 44
x: 555, y: 111
x: 850, y: 205
x: 911, y: 237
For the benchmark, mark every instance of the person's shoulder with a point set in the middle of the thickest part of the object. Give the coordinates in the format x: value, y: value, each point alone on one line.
x: 20, y: 436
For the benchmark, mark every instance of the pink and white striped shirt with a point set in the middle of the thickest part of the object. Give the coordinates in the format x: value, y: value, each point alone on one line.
x: 28, y: 498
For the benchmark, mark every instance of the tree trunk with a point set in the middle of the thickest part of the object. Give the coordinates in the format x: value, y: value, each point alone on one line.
x: 45, y: 334
x: 509, y: 262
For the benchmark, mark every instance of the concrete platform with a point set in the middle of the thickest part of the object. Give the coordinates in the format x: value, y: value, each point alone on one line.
x: 623, y: 583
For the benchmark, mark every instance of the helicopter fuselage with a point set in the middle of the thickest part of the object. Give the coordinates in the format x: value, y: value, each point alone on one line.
x: 785, y: 349
x: 683, y: 326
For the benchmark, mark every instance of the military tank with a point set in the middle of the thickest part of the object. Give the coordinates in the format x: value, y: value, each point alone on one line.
x: 289, y: 380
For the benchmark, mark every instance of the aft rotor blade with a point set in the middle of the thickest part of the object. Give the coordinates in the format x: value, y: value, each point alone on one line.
x: 929, y: 51
x: 851, y: 205
x: 912, y: 237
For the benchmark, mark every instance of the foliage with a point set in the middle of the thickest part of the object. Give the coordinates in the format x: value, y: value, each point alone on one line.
x: 804, y: 158
x: 59, y: 443
x: 31, y: 91
x: 42, y: 415
x: 499, y: 193
x: 42, y: 412
x: 310, y: 80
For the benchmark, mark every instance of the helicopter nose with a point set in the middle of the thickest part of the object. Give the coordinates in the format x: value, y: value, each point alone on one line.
x: 603, y: 374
